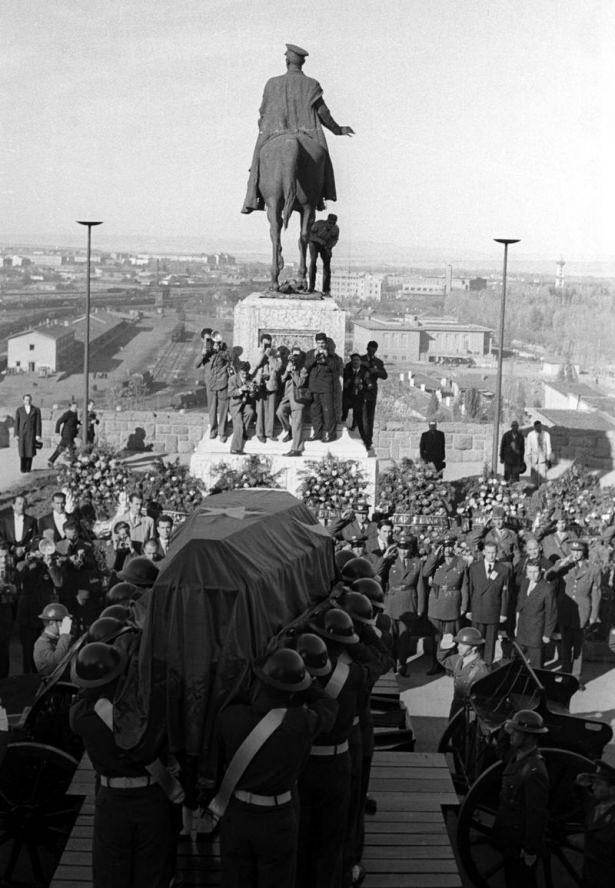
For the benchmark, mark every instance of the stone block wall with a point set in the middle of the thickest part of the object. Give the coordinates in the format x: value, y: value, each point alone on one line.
x: 176, y: 433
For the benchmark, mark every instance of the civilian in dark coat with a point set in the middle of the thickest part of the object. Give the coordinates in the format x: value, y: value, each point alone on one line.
x: 376, y: 371
x: 67, y: 427
x: 432, y: 447
x: 322, y: 369
x: 536, y: 614
x: 17, y: 529
x: 28, y: 430
x: 488, y: 591
x: 512, y: 451
x: 217, y: 370
x: 353, y: 397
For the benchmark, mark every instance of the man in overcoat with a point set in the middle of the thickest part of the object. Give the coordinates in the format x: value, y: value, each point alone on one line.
x: 536, y: 614
x: 405, y: 590
x: 488, y: 591
x: 28, y: 430
x: 67, y: 428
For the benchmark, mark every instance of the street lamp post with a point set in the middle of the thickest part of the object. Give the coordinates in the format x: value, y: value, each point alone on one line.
x: 86, y: 350
x: 498, y: 389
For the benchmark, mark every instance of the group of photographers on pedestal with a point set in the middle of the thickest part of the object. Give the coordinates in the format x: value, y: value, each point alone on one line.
x: 289, y: 385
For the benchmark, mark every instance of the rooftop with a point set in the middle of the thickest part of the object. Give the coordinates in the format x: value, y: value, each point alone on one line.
x: 419, y: 324
x: 575, y: 419
x: 53, y: 331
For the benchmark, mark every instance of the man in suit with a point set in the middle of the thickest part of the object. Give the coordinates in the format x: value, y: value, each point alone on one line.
x: 488, y: 592
x: 17, y: 529
x: 27, y: 431
x: 353, y: 397
x: 512, y: 451
x: 67, y: 427
x: 539, y: 453
x: 56, y: 519
x: 164, y: 528
x: 577, y: 604
x: 432, y: 446
x: 536, y: 614
x: 322, y: 368
x: 293, y: 386
x: 376, y: 370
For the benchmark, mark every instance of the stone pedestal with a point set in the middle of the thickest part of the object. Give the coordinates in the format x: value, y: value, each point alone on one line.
x: 288, y: 320
x: 210, y: 453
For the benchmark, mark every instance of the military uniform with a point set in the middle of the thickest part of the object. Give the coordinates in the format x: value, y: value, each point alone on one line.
x: 325, y: 788
x: 599, y: 851
x: 577, y: 605
x: 465, y: 671
x: 258, y: 838
x: 132, y: 823
x: 446, y: 590
x: 405, y: 591
x: 507, y: 544
x: 522, y: 814
x: 49, y: 650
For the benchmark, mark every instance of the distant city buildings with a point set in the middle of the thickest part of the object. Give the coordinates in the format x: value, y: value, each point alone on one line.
x: 349, y: 285
x: 421, y: 339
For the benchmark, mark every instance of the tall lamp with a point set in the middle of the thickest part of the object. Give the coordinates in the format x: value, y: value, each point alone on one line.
x: 498, y: 388
x: 86, y: 350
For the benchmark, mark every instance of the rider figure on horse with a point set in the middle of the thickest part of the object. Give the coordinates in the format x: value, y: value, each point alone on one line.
x: 293, y: 103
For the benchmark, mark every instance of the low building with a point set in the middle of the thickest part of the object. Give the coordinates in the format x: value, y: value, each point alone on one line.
x: 44, y: 350
x: 353, y: 285
x: 578, y: 396
x: 421, y: 339
x: 552, y: 366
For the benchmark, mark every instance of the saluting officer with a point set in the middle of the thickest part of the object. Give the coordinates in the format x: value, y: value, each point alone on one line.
x: 325, y: 784
x: 577, y: 604
x: 505, y: 539
x: 466, y: 666
x: 446, y: 587
x: 521, y: 818
x: 405, y: 591
x: 258, y: 837
x: 54, y: 641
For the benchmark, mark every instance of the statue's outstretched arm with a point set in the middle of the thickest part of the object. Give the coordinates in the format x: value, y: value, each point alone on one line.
x: 327, y: 120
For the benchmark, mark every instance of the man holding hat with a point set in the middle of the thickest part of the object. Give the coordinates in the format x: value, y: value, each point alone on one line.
x: 521, y: 819
x: 259, y: 827
x: 293, y: 103
x: 598, y: 788
x: 432, y: 446
x: 446, y: 587
x: 466, y: 666
x: 577, y: 604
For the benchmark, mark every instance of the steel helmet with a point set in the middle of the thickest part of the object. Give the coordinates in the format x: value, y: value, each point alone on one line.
x: 117, y: 611
x: 313, y: 651
x: 370, y: 588
x: 122, y: 592
x: 96, y: 665
x: 286, y: 671
x: 140, y: 571
x: 104, y: 629
x: 358, y: 606
x: 527, y: 721
x: 356, y: 569
x: 343, y: 557
x: 53, y: 611
x: 469, y: 635
x: 336, y: 625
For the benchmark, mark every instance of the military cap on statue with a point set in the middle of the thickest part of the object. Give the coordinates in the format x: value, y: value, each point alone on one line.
x: 292, y: 50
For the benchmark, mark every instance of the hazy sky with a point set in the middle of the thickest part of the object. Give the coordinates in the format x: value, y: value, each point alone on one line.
x: 473, y: 118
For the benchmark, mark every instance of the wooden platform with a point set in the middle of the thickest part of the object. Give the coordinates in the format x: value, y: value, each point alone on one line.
x: 406, y: 842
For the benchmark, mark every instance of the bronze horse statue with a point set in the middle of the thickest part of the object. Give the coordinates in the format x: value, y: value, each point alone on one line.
x: 291, y: 176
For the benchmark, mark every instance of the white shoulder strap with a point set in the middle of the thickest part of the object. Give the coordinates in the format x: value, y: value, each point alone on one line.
x: 338, y: 679
x: 104, y: 710
x: 257, y: 737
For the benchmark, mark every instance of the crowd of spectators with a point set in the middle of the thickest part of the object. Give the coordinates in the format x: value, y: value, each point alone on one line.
x: 292, y: 386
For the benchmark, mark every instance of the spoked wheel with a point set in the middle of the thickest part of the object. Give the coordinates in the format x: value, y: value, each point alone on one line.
x: 469, y: 754
x: 478, y: 851
x: 35, y: 815
x: 47, y: 721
